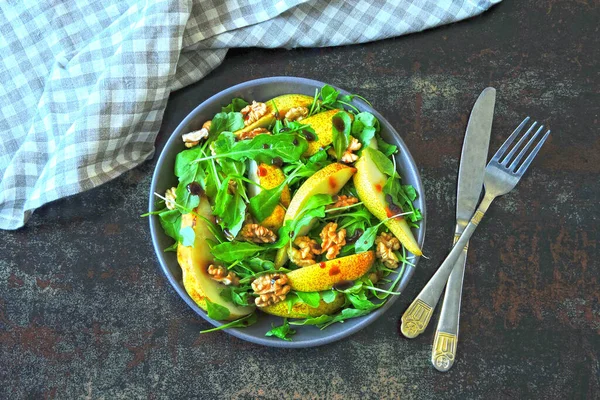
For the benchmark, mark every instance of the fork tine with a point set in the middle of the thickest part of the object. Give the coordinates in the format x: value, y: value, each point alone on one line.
x: 531, y: 156
x: 510, y: 139
x: 518, y: 145
x: 513, y: 165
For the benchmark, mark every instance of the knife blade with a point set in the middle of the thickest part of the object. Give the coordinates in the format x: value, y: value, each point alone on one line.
x: 470, y: 183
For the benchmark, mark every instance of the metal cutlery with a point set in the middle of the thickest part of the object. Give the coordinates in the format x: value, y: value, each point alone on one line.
x: 502, y: 174
x: 468, y: 192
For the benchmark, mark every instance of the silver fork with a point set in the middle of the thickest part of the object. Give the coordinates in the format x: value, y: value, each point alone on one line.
x: 502, y: 174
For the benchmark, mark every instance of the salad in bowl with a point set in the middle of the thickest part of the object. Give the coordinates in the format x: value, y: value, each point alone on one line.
x: 290, y: 206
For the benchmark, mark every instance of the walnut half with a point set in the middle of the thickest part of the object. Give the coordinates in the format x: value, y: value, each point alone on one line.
x: 271, y: 289
x: 385, y: 245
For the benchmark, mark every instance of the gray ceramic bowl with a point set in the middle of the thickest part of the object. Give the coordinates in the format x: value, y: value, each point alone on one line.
x: 264, y: 89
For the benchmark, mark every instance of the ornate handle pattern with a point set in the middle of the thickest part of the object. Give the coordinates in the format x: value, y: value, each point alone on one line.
x: 416, y: 318
x: 444, y: 351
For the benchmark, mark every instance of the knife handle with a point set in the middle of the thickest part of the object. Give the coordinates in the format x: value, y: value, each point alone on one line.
x: 418, y: 314
x: 446, y: 334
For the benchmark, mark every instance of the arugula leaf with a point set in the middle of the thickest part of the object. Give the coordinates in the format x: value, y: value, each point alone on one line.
x: 410, y: 192
x: 328, y: 296
x: 194, y: 173
x: 216, y: 311
x: 384, y: 147
x: 291, y: 299
x: 321, y: 319
x: 313, y: 299
x: 262, y: 148
x: 362, y: 303
x: 282, y: 332
x: 364, y: 127
x: 263, y: 204
x: 187, y: 235
x: 341, y: 125
x: 367, y: 239
x: 257, y: 264
x: 237, y: 295
x: 238, y: 323
x: 314, y: 208
x: 314, y: 163
x: 329, y: 94
x: 170, y: 220
x: 382, y: 162
x: 229, y: 252
x: 184, y: 159
x: 236, y: 105
x: 347, y: 313
x: 226, y: 121
x: 230, y: 208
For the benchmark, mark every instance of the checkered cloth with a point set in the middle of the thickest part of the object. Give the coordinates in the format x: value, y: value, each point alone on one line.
x: 84, y: 83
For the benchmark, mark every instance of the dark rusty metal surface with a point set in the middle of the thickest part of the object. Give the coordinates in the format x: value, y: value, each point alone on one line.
x: 84, y: 311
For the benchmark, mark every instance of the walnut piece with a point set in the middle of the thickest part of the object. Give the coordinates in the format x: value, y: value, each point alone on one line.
x: 258, y: 234
x: 296, y: 113
x: 333, y: 240
x: 271, y: 289
x: 221, y: 274
x: 207, y: 125
x: 191, y: 139
x: 170, y: 197
x: 385, y: 244
x: 253, y: 133
x: 303, y: 256
x: 231, y: 187
x: 253, y: 112
x: 343, y: 201
x: 349, y: 157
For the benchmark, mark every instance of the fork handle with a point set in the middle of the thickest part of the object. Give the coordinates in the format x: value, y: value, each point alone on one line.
x: 446, y: 333
x: 418, y: 314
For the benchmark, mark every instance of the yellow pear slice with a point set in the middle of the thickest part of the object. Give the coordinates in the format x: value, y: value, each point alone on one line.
x: 369, y: 182
x: 323, y: 126
x: 269, y: 176
x: 276, y: 109
x: 323, y: 275
x: 328, y: 180
x: 194, y: 262
x: 303, y: 310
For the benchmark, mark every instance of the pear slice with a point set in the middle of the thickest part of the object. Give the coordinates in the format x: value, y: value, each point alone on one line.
x: 303, y: 310
x: 269, y: 176
x: 328, y: 180
x: 323, y: 126
x: 369, y: 182
x: 276, y: 109
x: 194, y: 262
x: 323, y: 275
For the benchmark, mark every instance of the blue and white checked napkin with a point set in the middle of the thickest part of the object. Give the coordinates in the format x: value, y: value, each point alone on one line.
x: 84, y: 83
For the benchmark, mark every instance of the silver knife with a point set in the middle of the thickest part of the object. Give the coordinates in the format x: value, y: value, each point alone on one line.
x: 470, y: 182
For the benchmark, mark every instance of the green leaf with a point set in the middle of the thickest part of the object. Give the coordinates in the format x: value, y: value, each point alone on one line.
x: 291, y: 299
x: 231, y: 209
x: 236, y: 105
x: 364, y: 127
x: 170, y: 220
x: 314, y: 163
x: 347, y: 313
x: 193, y: 174
x: 328, y: 296
x: 361, y: 303
x: 321, y: 319
x: 263, y: 148
x: 384, y: 147
x: 226, y: 121
x: 282, y: 332
x: 341, y: 125
x: 367, y: 239
x: 243, y: 322
x: 313, y: 299
x: 216, y: 311
x: 230, y: 252
x: 263, y: 204
x: 329, y: 94
x: 184, y: 158
x: 258, y: 264
x: 187, y: 235
x: 410, y: 192
x: 383, y: 163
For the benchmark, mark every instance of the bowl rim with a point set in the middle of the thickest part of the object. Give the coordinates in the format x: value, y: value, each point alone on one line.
x: 156, y: 228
